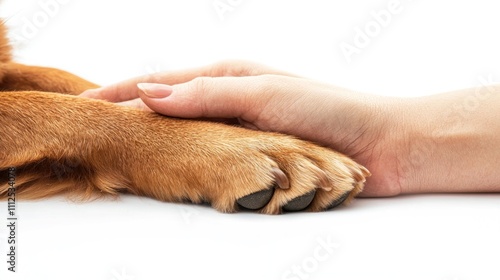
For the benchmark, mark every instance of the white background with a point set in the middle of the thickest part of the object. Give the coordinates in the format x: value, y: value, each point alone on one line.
x: 425, y: 47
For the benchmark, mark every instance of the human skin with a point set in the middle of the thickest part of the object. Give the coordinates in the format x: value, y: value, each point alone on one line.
x: 438, y: 143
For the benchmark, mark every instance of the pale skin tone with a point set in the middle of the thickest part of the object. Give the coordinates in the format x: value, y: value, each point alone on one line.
x: 441, y: 143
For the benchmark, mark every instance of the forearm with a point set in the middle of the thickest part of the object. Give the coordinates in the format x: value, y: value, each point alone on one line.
x: 453, y: 142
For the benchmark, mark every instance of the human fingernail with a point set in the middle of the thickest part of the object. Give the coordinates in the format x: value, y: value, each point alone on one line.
x: 90, y: 93
x: 155, y: 90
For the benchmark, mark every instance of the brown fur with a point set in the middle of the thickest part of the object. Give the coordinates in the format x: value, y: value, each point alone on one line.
x: 64, y: 144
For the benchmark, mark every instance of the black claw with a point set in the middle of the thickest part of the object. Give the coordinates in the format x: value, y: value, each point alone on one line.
x: 300, y: 203
x: 339, y: 200
x: 256, y: 200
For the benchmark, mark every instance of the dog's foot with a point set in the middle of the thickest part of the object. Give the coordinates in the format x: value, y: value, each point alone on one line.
x: 300, y: 177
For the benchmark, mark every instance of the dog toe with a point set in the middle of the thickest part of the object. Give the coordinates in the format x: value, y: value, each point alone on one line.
x: 300, y: 203
x: 256, y: 200
x: 339, y: 200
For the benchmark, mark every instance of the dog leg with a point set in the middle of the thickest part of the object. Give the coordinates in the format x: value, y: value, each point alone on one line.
x: 20, y: 77
x: 117, y: 149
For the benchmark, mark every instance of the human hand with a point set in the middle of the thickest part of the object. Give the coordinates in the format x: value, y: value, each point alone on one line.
x: 356, y: 124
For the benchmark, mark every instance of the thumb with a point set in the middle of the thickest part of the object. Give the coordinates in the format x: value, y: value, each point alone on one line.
x: 204, y: 97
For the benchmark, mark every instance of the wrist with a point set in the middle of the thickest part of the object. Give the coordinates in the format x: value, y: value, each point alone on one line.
x: 385, y: 146
x: 449, y: 148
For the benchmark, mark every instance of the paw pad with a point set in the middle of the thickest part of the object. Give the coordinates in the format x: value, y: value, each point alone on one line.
x: 256, y: 200
x: 339, y: 201
x: 300, y: 203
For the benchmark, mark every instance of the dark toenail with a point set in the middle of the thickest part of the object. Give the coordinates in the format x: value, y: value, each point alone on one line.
x: 256, y: 200
x: 339, y: 200
x: 301, y: 202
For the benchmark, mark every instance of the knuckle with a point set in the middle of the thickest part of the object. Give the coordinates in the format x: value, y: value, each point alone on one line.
x: 229, y: 67
x: 199, y: 88
x: 236, y: 68
x: 269, y: 83
x: 200, y: 85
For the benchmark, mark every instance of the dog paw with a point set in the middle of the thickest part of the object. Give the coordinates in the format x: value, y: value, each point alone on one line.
x: 283, y: 174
